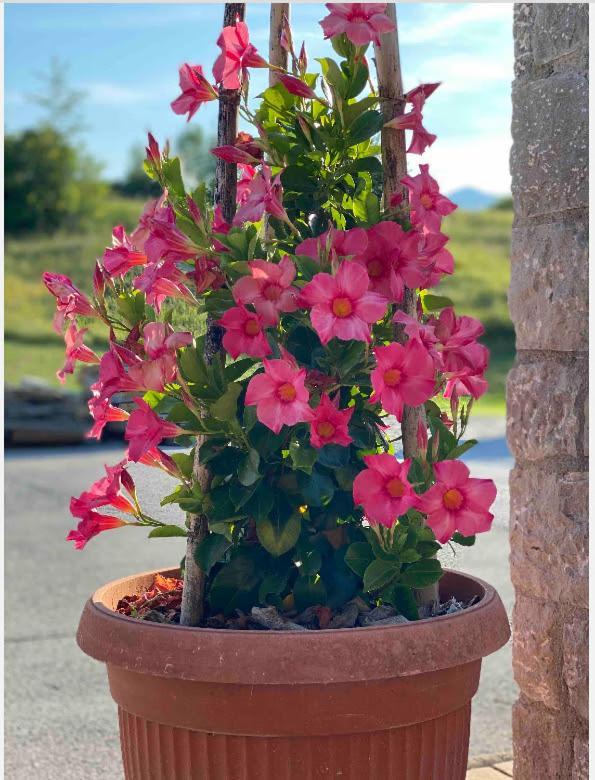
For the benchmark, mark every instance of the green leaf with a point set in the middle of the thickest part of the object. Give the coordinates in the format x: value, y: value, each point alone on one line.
x: 272, y: 585
x: 185, y: 462
x: 358, y: 557
x: 172, y: 174
x: 278, y: 535
x: 303, y: 457
x: 333, y: 74
x: 379, y: 573
x: 237, y: 370
x: 248, y: 468
x: 333, y: 456
x: 409, y: 555
x: 309, y: 592
x: 225, y: 407
x: 167, y: 530
x: 422, y: 573
x: 260, y: 505
x: 402, y: 599
x: 317, y: 489
x: 211, y: 550
x: 365, y: 127
x: 235, y: 585
x: 461, y: 449
x: 464, y: 541
x: 192, y: 366
x: 131, y: 306
x: 435, y: 302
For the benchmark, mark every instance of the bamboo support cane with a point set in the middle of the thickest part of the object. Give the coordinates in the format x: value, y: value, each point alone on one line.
x: 394, y: 164
x: 225, y: 197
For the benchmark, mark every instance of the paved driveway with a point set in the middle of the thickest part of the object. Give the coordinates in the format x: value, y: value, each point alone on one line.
x: 60, y: 719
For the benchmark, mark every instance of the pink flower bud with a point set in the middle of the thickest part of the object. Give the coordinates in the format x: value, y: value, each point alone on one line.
x: 422, y: 437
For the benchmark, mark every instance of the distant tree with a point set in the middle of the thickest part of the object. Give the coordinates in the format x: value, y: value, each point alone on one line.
x: 61, y: 104
x: 48, y: 184
x: 504, y: 204
x: 136, y: 182
x: 198, y: 165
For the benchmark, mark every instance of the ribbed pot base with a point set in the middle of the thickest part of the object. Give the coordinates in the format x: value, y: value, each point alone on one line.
x: 433, y: 750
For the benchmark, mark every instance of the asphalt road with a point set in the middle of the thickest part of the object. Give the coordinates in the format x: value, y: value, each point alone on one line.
x: 60, y: 722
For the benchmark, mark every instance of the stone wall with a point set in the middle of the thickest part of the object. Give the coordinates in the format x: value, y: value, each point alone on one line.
x: 547, y: 390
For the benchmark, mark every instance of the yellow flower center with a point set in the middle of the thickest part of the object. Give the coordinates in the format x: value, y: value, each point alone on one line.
x: 342, y: 307
x: 252, y: 328
x: 325, y: 429
x: 395, y: 488
x: 286, y: 392
x: 392, y: 377
x: 375, y: 269
x: 272, y: 292
x: 452, y: 499
x: 426, y: 201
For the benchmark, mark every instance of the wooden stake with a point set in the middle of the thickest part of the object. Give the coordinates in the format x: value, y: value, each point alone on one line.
x: 394, y: 163
x: 277, y: 54
x: 225, y: 196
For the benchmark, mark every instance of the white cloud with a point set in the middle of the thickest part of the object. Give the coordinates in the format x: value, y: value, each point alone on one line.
x: 105, y: 93
x: 477, y: 161
x: 466, y: 72
x: 442, y: 21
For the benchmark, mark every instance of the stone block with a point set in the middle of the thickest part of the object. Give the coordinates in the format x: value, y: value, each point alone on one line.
x: 543, y: 419
x: 542, y: 749
x: 549, y: 158
x: 580, y: 764
x: 536, y: 656
x: 549, y: 545
x: 524, y: 14
x: 549, y: 286
x: 575, y: 647
x: 559, y: 30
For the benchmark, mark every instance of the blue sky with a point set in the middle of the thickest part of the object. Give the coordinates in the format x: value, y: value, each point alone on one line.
x: 126, y: 56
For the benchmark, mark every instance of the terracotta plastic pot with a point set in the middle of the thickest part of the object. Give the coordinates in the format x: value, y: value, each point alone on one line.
x: 384, y: 703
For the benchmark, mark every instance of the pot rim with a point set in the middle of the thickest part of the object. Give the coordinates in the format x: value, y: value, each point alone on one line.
x: 282, y: 657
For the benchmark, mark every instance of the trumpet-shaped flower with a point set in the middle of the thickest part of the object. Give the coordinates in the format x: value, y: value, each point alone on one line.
x: 412, y: 120
x: 280, y: 395
x: 75, y: 350
x: 265, y: 194
x: 342, y: 306
x: 404, y: 375
x: 457, y: 502
x: 391, y: 260
x: 428, y: 204
x: 296, y: 86
x: 338, y: 243
x: 106, y: 492
x: 244, y: 333
x: 91, y: 525
x: 102, y: 413
x: 195, y: 90
x: 383, y: 489
x: 362, y: 23
x: 329, y: 424
x: 122, y: 255
x: 269, y: 289
x: 145, y: 430
x: 237, y: 55
x: 70, y: 301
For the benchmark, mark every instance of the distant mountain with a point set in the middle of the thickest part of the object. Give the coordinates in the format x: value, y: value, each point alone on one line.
x: 473, y: 200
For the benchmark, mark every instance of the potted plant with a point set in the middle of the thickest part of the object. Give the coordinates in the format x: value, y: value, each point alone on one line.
x: 291, y: 342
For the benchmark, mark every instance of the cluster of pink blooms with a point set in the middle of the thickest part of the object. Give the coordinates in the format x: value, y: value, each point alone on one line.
x: 363, y: 272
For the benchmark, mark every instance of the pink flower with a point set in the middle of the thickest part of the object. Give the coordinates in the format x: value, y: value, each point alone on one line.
x: 146, y: 430
x: 231, y: 154
x: 422, y: 436
x: 412, y: 120
x: 265, y: 195
x: 423, y: 333
x: 237, y: 55
x: 341, y: 305
x: 156, y: 458
x: 418, y: 95
x: 457, y: 502
x: 244, y: 333
x: 102, y: 412
x: 436, y: 259
x: 122, y: 255
x: 296, y: 86
x: 153, y: 209
x: 70, y: 301
x: 166, y: 241
x: 279, y: 395
x: 383, y: 489
x: 428, y: 205
x: 207, y: 274
x: 361, y: 22
x: 391, y: 260
x: 340, y: 243
x: 196, y: 90
x: 106, y: 492
x: 404, y: 375
x: 269, y: 289
x: 92, y: 524
x: 75, y: 350
x: 153, y: 152
x: 113, y: 377
x: 329, y: 424
x: 244, y: 183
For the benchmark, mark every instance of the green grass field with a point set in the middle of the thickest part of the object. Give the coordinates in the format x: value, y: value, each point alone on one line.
x: 479, y: 242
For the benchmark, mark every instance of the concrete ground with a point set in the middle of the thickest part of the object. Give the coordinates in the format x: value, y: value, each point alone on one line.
x: 60, y: 720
